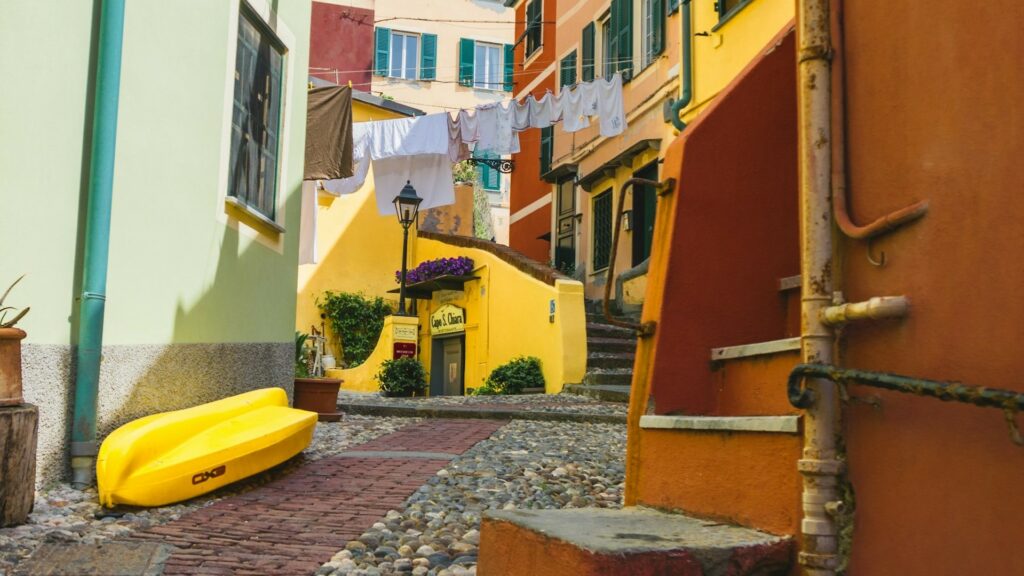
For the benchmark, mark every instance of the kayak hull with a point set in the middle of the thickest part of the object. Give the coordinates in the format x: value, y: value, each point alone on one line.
x: 175, y: 456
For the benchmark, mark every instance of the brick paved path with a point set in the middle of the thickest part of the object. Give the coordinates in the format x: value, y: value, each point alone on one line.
x: 296, y: 523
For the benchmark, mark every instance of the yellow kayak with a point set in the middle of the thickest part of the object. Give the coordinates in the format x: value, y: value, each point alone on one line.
x: 174, y: 456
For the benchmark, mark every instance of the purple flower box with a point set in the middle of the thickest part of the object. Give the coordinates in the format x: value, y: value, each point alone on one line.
x: 460, y: 266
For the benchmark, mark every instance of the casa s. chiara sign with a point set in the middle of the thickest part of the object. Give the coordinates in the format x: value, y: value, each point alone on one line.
x: 447, y: 320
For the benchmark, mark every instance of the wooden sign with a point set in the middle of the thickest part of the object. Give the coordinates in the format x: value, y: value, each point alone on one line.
x: 404, y: 332
x: 447, y: 320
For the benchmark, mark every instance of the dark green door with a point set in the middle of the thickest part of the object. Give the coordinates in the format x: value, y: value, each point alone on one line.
x: 645, y: 201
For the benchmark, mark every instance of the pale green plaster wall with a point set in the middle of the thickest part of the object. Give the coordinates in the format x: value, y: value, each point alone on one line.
x: 182, y: 268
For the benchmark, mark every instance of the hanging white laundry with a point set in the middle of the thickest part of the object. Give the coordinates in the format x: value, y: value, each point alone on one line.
x: 361, y: 159
x: 494, y: 134
x: 468, y: 124
x: 545, y: 111
x: 307, y: 224
x: 429, y: 174
x: 574, y: 117
x: 409, y: 136
x: 521, y: 115
x: 609, y: 105
x: 588, y: 95
x: 457, y: 149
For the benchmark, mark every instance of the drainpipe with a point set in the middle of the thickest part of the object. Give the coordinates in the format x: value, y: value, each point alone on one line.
x: 686, y: 90
x: 819, y: 464
x: 97, y: 243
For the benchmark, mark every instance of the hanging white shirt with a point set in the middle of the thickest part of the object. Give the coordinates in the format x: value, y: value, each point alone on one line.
x: 429, y: 174
x: 609, y: 105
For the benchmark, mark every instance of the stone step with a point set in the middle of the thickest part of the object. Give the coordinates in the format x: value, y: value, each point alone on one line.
x: 598, y: 318
x: 610, y: 345
x: 607, y: 393
x: 608, y: 360
x: 635, y: 541
x: 613, y: 377
x: 609, y: 331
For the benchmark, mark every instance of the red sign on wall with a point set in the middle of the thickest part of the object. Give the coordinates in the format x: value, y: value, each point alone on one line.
x: 404, y: 350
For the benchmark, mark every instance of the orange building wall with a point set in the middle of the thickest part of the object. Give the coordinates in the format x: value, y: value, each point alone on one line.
x: 526, y: 186
x: 936, y: 111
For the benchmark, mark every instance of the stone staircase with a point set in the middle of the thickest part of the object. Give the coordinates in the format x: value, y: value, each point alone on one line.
x: 610, y: 353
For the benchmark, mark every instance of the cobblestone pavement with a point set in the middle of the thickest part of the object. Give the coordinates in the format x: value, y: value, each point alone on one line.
x: 371, y: 496
x: 557, y: 403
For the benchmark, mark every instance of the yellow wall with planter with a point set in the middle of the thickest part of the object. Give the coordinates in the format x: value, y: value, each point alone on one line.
x: 507, y: 315
x: 361, y: 378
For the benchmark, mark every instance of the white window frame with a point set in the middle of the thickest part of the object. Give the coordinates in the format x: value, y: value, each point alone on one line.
x: 605, y: 28
x: 477, y: 67
x: 391, y: 54
x: 647, y: 56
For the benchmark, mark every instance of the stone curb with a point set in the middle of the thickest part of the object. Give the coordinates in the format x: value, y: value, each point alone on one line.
x: 477, y: 413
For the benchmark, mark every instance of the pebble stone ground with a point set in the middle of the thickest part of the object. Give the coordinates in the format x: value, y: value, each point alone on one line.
x: 434, y: 531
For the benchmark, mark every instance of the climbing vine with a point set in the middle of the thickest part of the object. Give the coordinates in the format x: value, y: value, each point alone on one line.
x: 356, y: 320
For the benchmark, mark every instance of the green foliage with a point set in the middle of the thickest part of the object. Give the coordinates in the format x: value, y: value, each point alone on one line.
x: 4, y: 310
x: 301, y: 367
x: 356, y: 320
x: 402, y: 375
x: 513, y: 376
x: 465, y: 171
x: 482, y: 225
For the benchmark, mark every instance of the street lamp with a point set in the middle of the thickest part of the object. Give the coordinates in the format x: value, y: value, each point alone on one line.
x: 407, y: 204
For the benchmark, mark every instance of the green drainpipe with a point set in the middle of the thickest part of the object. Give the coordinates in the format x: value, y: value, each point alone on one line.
x: 97, y: 243
x: 686, y: 94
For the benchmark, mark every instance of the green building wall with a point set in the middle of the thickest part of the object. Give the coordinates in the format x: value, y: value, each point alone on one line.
x: 200, y: 296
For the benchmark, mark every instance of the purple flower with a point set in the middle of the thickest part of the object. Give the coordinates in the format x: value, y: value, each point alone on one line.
x: 461, y: 266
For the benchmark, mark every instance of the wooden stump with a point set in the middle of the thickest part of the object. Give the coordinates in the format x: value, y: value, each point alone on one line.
x: 18, y: 428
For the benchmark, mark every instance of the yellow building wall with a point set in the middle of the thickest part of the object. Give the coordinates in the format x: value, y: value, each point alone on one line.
x: 361, y: 378
x: 359, y: 249
x: 507, y: 315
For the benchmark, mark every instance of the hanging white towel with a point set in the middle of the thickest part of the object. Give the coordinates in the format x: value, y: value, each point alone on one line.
x: 457, y: 149
x: 574, y: 117
x: 469, y: 125
x: 521, y: 115
x: 609, y: 104
x: 588, y: 96
x: 545, y: 111
x: 409, y: 136
x: 429, y: 174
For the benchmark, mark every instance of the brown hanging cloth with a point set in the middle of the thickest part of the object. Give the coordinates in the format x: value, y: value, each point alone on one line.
x: 329, y: 133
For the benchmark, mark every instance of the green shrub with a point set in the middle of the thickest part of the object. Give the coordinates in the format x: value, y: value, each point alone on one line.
x: 513, y: 376
x: 401, y: 375
x: 356, y: 320
x: 301, y: 356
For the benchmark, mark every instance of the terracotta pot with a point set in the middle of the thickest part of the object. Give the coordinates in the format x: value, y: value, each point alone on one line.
x: 10, y: 366
x: 318, y: 395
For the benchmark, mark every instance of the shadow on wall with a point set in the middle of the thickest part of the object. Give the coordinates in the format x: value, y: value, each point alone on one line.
x: 143, y: 379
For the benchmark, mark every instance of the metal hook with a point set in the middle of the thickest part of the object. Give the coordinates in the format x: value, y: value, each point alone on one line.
x: 881, y: 260
x: 1011, y: 421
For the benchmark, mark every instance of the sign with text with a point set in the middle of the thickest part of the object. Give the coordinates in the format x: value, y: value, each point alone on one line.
x: 404, y: 332
x: 447, y: 320
x: 403, y: 350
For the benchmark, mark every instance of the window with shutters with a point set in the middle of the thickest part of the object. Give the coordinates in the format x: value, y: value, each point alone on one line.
x: 728, y: 8
x: 567, y: 70
x: 487, y: 68
x: 405, y: 55
x: 534, y: 26
x: 602, y: 229
x: 587, y: 53
x: 653, y: 30
x: 620, y: 44
x: 256, y: 115
x: 490, y: 178
x: 546, y: 149
x: 607, y: 60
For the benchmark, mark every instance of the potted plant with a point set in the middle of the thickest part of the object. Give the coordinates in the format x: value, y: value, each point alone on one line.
x: 10, y: 351
x: 313, y: 391
x: 401, y: 378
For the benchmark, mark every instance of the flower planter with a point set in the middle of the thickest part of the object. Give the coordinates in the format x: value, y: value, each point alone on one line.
x: 318, y: 395
x: 10, y: 366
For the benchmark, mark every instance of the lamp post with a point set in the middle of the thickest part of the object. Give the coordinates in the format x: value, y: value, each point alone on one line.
x: 407, y: 204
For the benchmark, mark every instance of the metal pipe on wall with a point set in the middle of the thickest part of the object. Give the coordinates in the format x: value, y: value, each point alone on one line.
x: 877, y: 308
x: 97, y: 243
x: 819, y: 465
x: 686, y: 87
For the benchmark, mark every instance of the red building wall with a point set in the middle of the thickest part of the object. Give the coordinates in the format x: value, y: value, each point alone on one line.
x: 526, y: 186
x: 341, y: 41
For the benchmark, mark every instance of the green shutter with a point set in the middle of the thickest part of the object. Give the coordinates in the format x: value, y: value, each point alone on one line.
x: 587, y: 47
x: 383, y: 52
x: 533, y: 27
x: 658, y: 36
x: 622, y: 37
x: 509, y: 70
x: 546, y: 149
x: 428, y: 57
x: 602, y: 235
x: 466, y: 48
x: 567, y: 74
x: 490, y: 178
x: 673, y: 5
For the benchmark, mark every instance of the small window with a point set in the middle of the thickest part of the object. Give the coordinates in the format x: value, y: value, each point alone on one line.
x: 567, y: 74
x: 256, y: 115
x: 727, y: 8
x: 653, y: 30
x: 587, y: 53
x: 546, y: 149
x: 534, y: 26
x: 404, y: 55
x: 602, y: 229
x: 487, y: 68
x: 607, y: 59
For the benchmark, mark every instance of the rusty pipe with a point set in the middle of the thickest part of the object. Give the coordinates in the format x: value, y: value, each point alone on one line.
x: 877, y: 308
x: 647, y: 328
x: 844, y: 221
x: 819, y: 465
